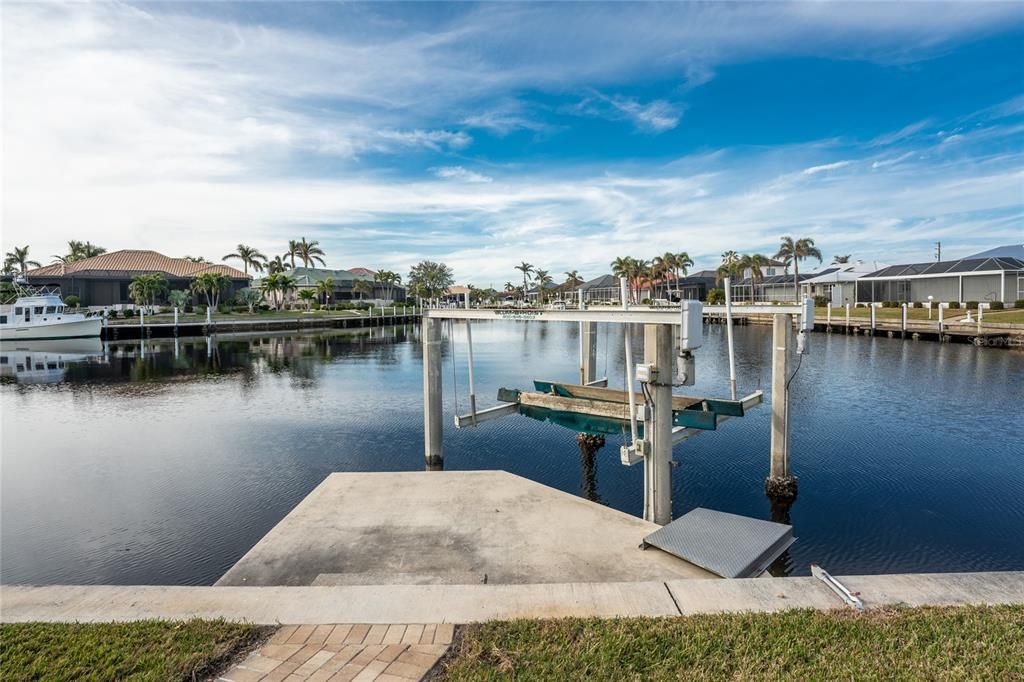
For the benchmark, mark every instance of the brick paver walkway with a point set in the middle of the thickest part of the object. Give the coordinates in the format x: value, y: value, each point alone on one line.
x: 345, y: 653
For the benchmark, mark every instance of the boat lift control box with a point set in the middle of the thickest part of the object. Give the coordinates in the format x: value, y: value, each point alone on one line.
x: 691, y: 334
x: 691, y: 337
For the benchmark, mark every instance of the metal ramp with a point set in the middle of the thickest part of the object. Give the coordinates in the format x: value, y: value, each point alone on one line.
x: 729, y: 545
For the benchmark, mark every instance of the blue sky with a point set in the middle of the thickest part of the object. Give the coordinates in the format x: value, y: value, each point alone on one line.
x: 482, y: 135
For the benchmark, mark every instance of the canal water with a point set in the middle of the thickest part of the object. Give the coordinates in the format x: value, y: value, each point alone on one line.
x: 164, y: 462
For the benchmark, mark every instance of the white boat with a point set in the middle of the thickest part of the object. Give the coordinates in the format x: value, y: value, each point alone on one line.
x: 43, y: 315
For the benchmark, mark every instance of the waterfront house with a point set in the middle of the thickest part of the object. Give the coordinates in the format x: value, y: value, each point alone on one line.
x: 980, y: 277
x: 694, y: 287
x: 104, y: 280
x: 601, y: 289
x: 344, y: 284
x: 770, y: 288
x: 838, y: 282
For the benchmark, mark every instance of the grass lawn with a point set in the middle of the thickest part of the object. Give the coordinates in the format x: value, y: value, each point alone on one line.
x: 1014, y: 316
x: 144, y: 650
x: 981, y: 643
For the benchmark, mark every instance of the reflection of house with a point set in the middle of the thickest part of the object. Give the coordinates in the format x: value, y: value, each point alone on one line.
x: 103, y: 280
x: 979, y: 277
x: 838, y: 283
x: 344, y: 284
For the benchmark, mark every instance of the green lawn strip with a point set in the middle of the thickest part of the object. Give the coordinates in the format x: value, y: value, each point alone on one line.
x: 983, y: 643
x: 141, y: 650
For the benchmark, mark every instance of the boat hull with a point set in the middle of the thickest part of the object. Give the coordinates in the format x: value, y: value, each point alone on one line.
x: 78, y: 329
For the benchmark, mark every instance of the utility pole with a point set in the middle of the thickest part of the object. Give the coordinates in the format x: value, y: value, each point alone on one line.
x: 938, y: 251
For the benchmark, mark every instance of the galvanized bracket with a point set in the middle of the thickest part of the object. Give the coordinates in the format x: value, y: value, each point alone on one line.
x: 850, y: 598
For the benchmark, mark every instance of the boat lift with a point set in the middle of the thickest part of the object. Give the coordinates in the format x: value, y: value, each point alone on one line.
x: 666, y: 419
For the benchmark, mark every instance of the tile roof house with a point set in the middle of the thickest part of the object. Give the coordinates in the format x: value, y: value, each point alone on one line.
x: 103, y: 280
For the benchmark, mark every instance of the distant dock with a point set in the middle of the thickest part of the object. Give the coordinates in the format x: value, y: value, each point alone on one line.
x: 164, y: 330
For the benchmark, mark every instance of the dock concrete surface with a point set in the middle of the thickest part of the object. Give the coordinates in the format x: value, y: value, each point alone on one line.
x: 452, y: 528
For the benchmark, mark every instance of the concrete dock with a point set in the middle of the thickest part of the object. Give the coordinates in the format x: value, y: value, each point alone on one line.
x: 452, y: 528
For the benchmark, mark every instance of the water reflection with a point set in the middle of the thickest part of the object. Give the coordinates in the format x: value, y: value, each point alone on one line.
x: 45, y: 361
x: 163, y: 462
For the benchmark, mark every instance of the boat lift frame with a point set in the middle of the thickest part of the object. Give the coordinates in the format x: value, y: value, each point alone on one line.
x: 659, y: 341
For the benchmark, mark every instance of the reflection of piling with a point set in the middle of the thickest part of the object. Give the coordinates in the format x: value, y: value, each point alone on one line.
x: 589, y: 444
x: 780, y: 507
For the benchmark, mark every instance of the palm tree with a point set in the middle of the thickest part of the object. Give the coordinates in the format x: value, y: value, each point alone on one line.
x: 754, y: 263
x: 841, y: 260
x: 627, y: 267
x: 325, y: 288
x: 276, y: 265
x: 293, y: 251
x: 195, y: 259
x: 79, y: 251
x: 276, y: 286
x: 210, y: 284
x: 363, y: 286
x: 682, y: 265
x: 509, y: 287
x: 19, y: 257
x: 663, y: 267
x: 544, y: 282
x: 307, y: 296
x: 249, y: 256
x: 309, y: 252
x: 796, y: 250
x: 526, y: 269
x: 573, y: 281
x: 144, y: 289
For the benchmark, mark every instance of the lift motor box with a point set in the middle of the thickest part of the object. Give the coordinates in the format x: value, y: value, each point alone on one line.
x: 691, y: 331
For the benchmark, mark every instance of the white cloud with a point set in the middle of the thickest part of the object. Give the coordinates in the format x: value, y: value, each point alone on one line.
x: 158, y: 129
x: 814, y: 170
x: 460, y: 173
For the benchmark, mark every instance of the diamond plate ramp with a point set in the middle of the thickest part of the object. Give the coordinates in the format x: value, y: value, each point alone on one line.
x: 729, y: 545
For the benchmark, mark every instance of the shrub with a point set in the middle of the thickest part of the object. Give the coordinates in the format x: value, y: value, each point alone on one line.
x: 971, y: 304
x: 918, y: 304
x: 716, y: 296
x: 996, y: 305
x: 71, y: 301
x: 1019, y: 303
x: 821, y: 301
x: 646, y: 301
x: 954, y: 305
x: 112, y: 314
x: 128, y: 312
x: 315, y: 305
